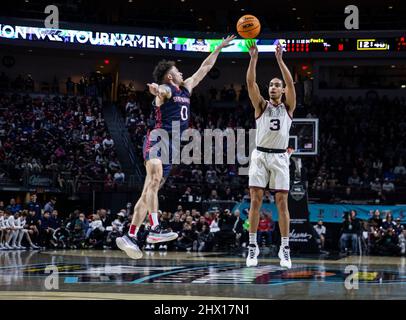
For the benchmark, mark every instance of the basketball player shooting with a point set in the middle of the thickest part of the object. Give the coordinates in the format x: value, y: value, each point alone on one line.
x: 270, y: 160
x: 172, y: 104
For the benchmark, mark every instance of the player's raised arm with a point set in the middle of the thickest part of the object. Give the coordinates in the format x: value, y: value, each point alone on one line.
x: 207, y: 64
x: 290, y: 92
x: 257, y: 100
x: 161, y: 92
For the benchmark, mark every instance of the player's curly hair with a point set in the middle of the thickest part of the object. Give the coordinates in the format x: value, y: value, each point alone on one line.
x: 161, y: 69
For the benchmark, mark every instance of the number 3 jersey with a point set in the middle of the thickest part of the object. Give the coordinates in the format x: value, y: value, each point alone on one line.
x: 273, y: 127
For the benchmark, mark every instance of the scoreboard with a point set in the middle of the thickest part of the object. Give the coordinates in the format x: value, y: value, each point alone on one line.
x: 344, y: 45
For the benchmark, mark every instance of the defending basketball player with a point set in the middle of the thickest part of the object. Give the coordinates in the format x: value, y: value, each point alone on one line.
x: 172, y: 104
x: 270, y: 160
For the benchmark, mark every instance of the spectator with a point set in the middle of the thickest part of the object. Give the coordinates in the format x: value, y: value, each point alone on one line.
x: 238, y: 227
x: 205, y: 239
x: 119, y: 177
x: 376, y: 185
x: 354, y: 180
x: 106, y: 219
x: 46, y: 232
x: 13, y: 207
x: 108, y: 143
x: 226, y: 235
x: 34, y: 205
x: 265, y: 228
x: 79, y: 232
x: 398, y: 227
x: 321, y: 233
x: 176, y: 224
x: 389, y: 243
x: 388, y: 222
x: 96, y: 233
x: 214, y: 225
x: 388, y: 186
x: 54, y: 221
x: 187, y: 238
x: 50, y: 206
x: 350, y: 231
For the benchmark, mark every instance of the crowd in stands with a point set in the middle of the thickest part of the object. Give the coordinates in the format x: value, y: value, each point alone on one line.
x: 60, y: 136
x: 362, y: 145
x: 375, y: 236
x: 94, y: 84
x: 33, y: 226
x: 373, y: 162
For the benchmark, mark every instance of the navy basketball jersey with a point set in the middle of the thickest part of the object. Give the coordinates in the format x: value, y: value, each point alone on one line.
x: 177, y: 108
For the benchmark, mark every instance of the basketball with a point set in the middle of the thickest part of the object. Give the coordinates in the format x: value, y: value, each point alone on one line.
x: 248, y: 26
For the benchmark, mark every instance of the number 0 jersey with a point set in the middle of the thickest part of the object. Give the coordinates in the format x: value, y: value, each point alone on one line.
x: 177, y: 108
x: 273, y: 127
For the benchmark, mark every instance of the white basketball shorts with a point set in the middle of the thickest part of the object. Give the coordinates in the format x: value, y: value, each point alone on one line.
x: 269, y: 169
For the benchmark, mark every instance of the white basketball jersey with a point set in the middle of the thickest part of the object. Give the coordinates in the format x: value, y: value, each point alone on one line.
x: 273, y: 127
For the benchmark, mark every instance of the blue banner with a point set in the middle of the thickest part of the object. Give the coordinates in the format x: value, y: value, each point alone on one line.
x: 332, y: 213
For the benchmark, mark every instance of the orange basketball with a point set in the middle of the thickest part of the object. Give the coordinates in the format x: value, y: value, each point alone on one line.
x: 248, y: 26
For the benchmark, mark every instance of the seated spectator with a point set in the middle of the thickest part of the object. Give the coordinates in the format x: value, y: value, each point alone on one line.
x: 388, y: 244
x: 96, y: 233
x: 54, y: 221
x: 205, y: 239
x: 376, y: 185
x: 265, y: 229
x: 388, y: 222
x: 376, y: 220
x: 46, y: 232
x: 79, y: 232
x: 108, y: 143
x: 238, y: 228
x: 214, y: 225
x: 13, y: 207
x: 49, y: 206
x: 398, y: 227
x: 187, y: 196
x: 400, y: 169
x: 321, y: 233
x: 119, y: 177
x: 354, y: 180
x: 187, y: 238
x: 388, y: 186
x: 214, y: 196
x: 176, y: 224
x: 62, y: 237
x: 226, y: 235
x: 350, y: 231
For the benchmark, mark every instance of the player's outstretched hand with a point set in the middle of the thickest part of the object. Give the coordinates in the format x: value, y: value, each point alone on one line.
x: 153, y: 88
x: 252, y: 48
x: 227, y: 41
x: 279, y: 52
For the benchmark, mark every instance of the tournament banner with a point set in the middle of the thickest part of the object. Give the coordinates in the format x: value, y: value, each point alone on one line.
x: 333, y: 213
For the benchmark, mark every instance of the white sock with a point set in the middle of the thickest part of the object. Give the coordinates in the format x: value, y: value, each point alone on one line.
x: 285, y: 242
x: 253, y: 238
x: 153, y: 219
